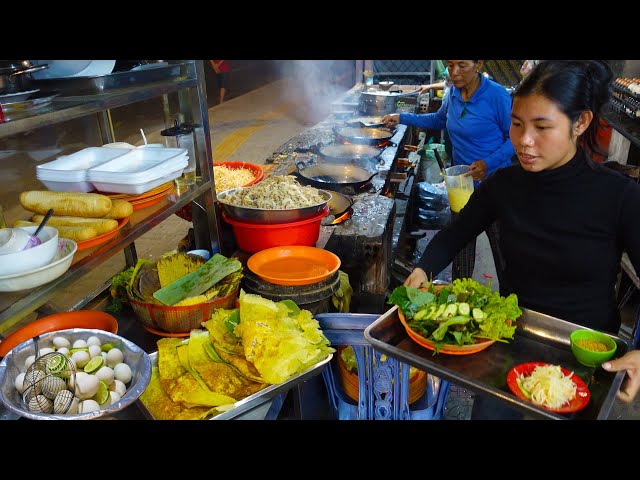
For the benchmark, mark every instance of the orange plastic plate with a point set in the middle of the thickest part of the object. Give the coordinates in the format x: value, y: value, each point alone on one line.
x: 293, y: 265
x: 100, y: 239
x: 60, y: 321
x: 448, y: 348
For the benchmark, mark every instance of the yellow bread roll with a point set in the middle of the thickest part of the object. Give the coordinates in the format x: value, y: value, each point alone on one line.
x: 76, y: 233
x: 119, y: 209
x: 77, y: 204
x: 102, y: 225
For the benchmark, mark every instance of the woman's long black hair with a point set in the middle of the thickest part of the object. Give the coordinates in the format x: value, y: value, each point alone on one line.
x: 574, y: 86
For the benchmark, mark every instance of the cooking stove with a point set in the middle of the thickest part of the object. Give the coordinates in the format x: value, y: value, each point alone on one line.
x: 364, y: 240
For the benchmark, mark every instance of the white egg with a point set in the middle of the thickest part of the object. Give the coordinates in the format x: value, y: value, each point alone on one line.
x: 104, y: 355
x: 63, y: 402
x: 94, y: 350
x: 29, y: 361
x: 81, y: 358
x: 40, y: 404
x: 87, y: 406
x: 51, y: 386
x: 63, y: 350
x: 114, y: 357
x: 93, y: 340
x: 86, y: 385
x: 106, y: 374
x: 44, y: 351
x: 74, y: 406
x: 122, y: 372
x: 113, y: 398
x: 79, y: 344
x: 33, y: 382
x: 19, y: 383
x: 61, y: 342
x: 119, y: 387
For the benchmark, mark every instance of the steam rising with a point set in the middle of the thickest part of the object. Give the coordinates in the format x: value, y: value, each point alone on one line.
x: 317, y: 83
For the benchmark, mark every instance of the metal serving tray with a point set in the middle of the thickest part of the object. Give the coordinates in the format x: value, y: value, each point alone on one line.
x: 539, y: 337
x: 78, y: 86
x: 258, y: 398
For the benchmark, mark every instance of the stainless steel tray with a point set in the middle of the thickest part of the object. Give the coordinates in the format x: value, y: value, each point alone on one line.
x: 539, y: 337
x: 80, y: 86
x: 258, y: 398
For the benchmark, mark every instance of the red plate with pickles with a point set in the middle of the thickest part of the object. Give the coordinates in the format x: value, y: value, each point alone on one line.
x: 578, y: 402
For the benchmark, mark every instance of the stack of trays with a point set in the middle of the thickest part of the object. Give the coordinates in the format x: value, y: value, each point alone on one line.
x: 119, y: 170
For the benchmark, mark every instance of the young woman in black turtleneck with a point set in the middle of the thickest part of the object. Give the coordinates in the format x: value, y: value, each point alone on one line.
x: 564, y: 220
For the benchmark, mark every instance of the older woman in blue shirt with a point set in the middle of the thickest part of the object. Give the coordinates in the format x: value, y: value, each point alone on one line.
x: 477, y: 115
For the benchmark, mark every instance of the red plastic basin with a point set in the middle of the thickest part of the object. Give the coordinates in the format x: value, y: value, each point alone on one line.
x: 252, y: 237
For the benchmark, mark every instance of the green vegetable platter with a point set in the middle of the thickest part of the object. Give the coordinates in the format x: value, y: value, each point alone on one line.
x: 462, y: 318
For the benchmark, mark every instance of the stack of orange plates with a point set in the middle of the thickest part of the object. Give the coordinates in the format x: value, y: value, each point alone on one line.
x: 146, y: 199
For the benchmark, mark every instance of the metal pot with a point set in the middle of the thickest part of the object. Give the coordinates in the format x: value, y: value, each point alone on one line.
x: 266, y: 216
x: 363, y: 136
x: 14, y: 78
x: 379, y: 102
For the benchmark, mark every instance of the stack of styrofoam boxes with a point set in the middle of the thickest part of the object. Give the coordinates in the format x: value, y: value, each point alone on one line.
x: 118, y: 170
x: 69, y: 173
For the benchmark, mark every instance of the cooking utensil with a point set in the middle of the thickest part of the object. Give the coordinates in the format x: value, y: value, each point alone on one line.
x: 363, y: 136
x: 334, y: 176
x: 266, y: 216
x: 366, y: 122
x: 339, y: 153
x: 439, y: 160
x: 13, y: 77
x: 33, y: 239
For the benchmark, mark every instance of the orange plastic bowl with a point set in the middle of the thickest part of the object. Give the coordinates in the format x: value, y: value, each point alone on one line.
x: 93, y: 319
x: 252, y: 237
x: 258, y: 173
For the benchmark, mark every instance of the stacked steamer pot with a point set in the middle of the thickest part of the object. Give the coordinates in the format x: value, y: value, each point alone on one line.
x: 383, y: 102
x: 15, y: 76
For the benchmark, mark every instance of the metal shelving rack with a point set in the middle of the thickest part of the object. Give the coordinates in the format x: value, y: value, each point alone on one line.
x: 192, y: 106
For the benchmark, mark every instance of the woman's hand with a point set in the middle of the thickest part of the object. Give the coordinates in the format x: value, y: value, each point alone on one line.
x: 477, y: 170
x: 630, y: 362
x: 416, y: 279
x: 391, y: 120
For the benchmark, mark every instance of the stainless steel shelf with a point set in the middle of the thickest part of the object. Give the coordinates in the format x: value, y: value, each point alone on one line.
x: 68, y: 108
x: 139, y: 223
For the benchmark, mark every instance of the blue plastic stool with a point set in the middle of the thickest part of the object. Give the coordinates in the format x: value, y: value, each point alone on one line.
x: 384, y: 388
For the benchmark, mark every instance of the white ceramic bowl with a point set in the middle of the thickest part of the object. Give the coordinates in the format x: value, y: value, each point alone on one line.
x: 32, y: 258
x: 39, y: 276
x: 134, y: 356
x: 13, y: 240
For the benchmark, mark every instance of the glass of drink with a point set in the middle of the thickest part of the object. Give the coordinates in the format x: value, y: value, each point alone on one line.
x: 459, y: 186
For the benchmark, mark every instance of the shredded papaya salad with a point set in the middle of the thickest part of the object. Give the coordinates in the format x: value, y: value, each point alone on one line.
x: 459, y: 313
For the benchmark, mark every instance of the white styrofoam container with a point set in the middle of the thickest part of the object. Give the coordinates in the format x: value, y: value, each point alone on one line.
x: 135, y: 189
x: 138, y: 166
x: 84, y: 187
x: 74, y: 167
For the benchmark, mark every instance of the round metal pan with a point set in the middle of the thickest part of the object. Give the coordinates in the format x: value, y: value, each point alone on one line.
x: 341, y: 153
x: 364, y: 135
x: 334, y: 176
x: 374, y: 122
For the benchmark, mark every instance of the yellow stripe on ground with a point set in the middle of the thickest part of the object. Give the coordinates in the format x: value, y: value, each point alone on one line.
x: 232, y: 142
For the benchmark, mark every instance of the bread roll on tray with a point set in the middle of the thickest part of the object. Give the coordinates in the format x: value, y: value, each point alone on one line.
x: 76, y: 204
x: 102, y: 225
x: 77, y: 233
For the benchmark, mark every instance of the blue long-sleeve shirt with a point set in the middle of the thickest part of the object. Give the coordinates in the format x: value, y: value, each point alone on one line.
x: 478, y: 128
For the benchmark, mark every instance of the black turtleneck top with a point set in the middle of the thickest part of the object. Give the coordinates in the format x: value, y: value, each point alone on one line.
x: 562, y: 234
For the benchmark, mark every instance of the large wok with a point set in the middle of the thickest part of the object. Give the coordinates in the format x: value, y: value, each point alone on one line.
x: 364, y: 135
x: 335, y: 176
x: 339, y: 153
